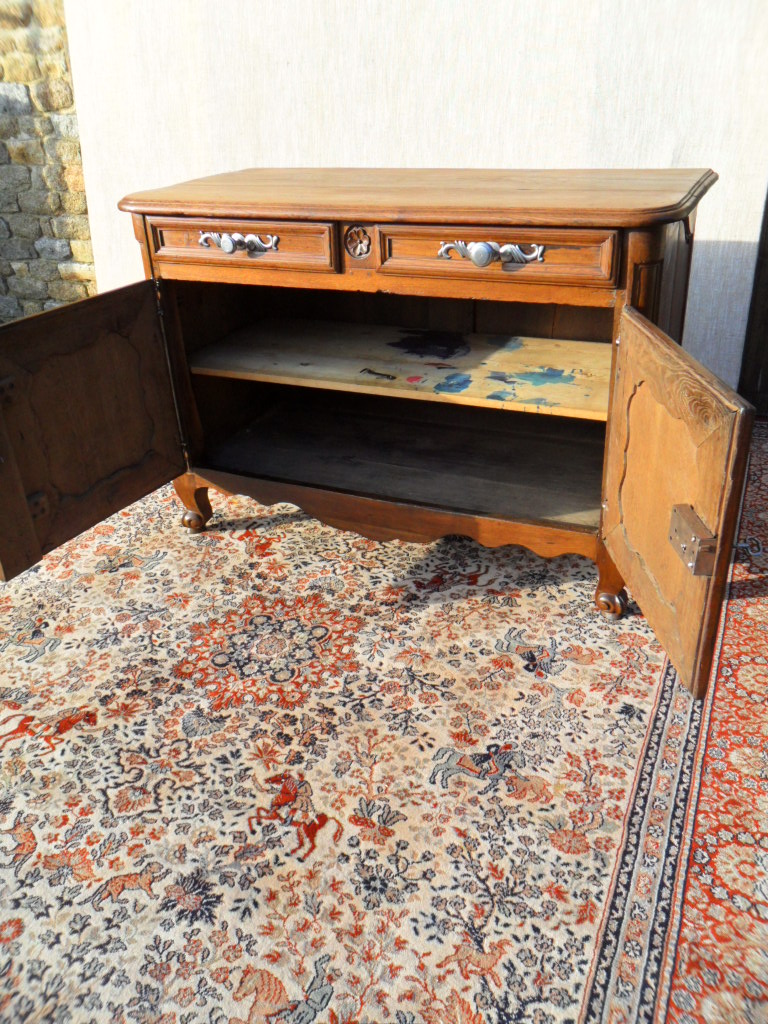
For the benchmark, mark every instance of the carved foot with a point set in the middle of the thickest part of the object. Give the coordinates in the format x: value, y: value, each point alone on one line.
x: 193, y: 521
x: 612, y: 606
x: 194, y: 495
x: 610, y: 596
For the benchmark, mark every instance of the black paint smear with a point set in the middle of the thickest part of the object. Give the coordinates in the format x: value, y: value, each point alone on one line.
x: 432, y: 344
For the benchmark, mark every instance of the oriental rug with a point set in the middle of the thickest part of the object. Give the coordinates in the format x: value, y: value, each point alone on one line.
x: 280, y: 773
x: 709, y: 958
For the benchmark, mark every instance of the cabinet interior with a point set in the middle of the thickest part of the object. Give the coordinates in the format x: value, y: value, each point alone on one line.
x: 412, y: 399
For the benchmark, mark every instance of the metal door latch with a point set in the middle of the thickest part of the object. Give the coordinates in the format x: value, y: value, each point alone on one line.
x: 692, y: 540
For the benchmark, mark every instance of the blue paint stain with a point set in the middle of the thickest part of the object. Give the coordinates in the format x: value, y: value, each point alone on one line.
x: 547, y: 375
x: 537, y: 401
x: 500, y: 396
x: 454, y: 384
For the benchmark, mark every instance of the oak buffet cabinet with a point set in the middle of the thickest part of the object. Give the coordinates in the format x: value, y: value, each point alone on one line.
x: 404, y: 353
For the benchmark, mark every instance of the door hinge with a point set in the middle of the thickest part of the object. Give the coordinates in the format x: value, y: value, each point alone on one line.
x: 694, y: 543
x: 177, y: 411
x: 7, y: 386
x: 38, y: 504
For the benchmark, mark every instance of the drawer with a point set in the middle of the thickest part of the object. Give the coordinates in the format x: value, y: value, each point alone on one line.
x: 243, y: 244
x: 520, y: 255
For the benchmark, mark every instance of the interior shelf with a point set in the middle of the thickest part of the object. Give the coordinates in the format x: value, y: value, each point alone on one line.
x: 531, y: 469
x: 497, y: 371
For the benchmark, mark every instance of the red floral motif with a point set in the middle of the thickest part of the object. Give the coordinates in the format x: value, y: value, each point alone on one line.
x: 569, y: 841
x: 11, y: 929
x: 271, y: 652
x: 130, y: 799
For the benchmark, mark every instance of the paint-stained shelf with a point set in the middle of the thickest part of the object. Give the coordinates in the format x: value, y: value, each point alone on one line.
x: 497, y: 371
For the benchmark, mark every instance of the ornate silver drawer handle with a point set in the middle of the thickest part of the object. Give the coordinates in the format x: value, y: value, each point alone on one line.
x: 253, y: 244
x: 484, y: 253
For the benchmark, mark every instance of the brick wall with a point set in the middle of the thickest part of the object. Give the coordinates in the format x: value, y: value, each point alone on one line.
x: 45, y: 248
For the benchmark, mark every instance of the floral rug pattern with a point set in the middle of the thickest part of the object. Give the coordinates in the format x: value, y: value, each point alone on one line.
x: 279, y: 773
x: 716, y: 950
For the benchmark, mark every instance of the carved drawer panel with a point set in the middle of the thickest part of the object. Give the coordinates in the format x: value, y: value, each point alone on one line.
x: 244, y: 244
x: 519, y: 255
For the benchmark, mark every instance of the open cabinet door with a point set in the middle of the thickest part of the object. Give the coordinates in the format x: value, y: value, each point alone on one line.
x: 87, y: 420
x: 677, y: 451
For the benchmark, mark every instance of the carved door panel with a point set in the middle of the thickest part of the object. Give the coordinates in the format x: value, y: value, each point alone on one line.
x: 677, y: 451
x: 87, y: 421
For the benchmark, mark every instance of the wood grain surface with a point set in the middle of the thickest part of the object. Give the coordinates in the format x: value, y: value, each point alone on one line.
x: 678, y: 436
x: 90, y: 425
x: 573, y: 198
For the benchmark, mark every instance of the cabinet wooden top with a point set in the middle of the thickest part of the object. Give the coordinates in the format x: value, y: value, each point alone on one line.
x: 599, y: 198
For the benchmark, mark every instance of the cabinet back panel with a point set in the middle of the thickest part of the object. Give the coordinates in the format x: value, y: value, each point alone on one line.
x: 211, y: 311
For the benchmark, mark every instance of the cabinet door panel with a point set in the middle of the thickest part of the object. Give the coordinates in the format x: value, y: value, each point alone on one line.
x: 88, y: 421
x: 678, y: 436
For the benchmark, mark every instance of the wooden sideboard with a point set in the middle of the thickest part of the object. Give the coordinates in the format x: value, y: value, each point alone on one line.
x: 404, y: 353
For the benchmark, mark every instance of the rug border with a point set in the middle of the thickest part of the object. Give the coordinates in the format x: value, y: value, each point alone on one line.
x: 596, y: 1003
x: 661, y: 957
x: 671, y: 950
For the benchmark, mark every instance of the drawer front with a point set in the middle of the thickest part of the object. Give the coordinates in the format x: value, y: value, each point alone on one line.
x: 244, y: 244
x: 521, y: 255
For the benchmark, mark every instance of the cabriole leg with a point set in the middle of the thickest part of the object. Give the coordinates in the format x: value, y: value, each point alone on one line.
x: 194, y: 496
x: 610, y: 596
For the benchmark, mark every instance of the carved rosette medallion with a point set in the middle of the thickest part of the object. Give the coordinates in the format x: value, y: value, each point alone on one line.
x: 357, y: 242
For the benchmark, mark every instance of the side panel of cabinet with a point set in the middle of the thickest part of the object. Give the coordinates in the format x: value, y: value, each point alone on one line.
x: 88, y: 421
x: 678, y: 437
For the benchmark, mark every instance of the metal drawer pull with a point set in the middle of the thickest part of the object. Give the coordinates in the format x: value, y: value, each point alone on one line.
x: 253, y: 244
x: 484, y: 253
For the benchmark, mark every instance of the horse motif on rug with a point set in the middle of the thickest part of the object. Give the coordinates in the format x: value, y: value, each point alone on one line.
x: 271, y: 1001
x: 116, y: 558
x: 50, y: 730
x: 30, y: 634
x: 542, y: 660
x: 491, y: 765
x: 292, y: 805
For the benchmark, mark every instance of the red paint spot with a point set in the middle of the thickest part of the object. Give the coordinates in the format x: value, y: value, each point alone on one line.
x: 414, y: 380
